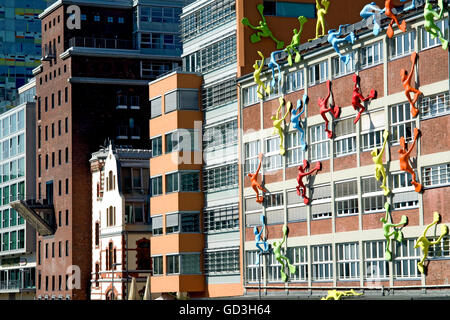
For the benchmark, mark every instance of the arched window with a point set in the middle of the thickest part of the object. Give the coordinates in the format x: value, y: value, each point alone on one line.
x: 107, y: 217
x: 143, y: 259
x: 97, y: 233
x: 110, y: 256
x: 97, y: 274
x: 111, y: 181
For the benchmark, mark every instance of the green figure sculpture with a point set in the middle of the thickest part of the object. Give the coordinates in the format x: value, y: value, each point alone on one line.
x: 321, y: 12
x: 262, y: 30
x: 256, y: 77
x: 430, y: 26
x: 277, y: 123
x: 283, y: 259
x: 397, y: 232
x: 377, y: 158
x: 337, y: 295
x: 423, y: 243
x: 295, y: 42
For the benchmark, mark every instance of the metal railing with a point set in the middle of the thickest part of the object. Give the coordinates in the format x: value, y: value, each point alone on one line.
x: 101, y: 43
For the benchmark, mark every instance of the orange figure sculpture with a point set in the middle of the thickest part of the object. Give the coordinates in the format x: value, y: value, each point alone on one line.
x: 406, y: 82
x: 358, y: 97
x: 404, y: 159
x: 301, y: 174
x: 255, y: 183
x: 323, y: 105
x: 388, y: 12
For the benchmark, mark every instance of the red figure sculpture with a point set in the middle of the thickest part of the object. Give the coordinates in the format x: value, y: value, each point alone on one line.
x: 334, y: 110
x: 255, y: 183
x: 358, y: 97
x: 388, y: 11
x: 404, y: 159
x: 301, y: 189
x: 406, y: 82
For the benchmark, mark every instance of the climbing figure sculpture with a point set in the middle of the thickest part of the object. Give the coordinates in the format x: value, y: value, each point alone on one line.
x: 424, y: 244
x: 404, y: 159
x: 377, y: 158
x: 295, y: 42
x: 257, y: 79
x: 302, y: 106
x: 396, y: 232
x: 334, y: 40
x: 372, y: 10
x: 301, y: 189
x: 262, y: 30
x: 259, y: 241
x: 283, y: 260
x: 324, y: 109
x: 337, y: 295
x: 277, y: 123
x: 272, y: 64
x: 406, y: 82
x: 430, y: 26
x: 321, y: 12
x: 254, y: 180
x: 358, y: 97
x: 388, y: 6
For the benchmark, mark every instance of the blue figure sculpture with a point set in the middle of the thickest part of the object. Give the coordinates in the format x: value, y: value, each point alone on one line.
x: 258, y: 241
x: 372, y: 10
x: 272, y: 64
x: 335, y: 41
x: 295, y: 119
x: 410, y: 7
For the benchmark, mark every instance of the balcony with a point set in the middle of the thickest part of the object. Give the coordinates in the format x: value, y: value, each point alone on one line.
x: 48, y: 53
x: 102, y: 43
x: 40, y: 215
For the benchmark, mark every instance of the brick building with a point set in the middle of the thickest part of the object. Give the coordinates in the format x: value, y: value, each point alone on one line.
x: 337, y: 241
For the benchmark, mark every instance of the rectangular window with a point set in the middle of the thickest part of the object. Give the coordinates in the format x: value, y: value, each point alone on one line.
x: 348, y: 261
x: 155, y: 107
x: 346, y: 198
x: 402, y: 124
x: 299, y: 258
x: 322, y: 262
x: 295, y: 80
x: 437, y: 175
x: 405, y: 259
x: 221, y: 178
x: 189, y: 181
x: 404, y: 196
x: 173, y: 264
x: 273, y: 269
x: 428, y: 41
x: 434, y: 106
x: 249, y: 95
x: 272, y: 158
x: 252, y: 150
x: 402, y: 44
x: 157, y: 263
x: 440, y: 249
x: 376, y: 266
x: 157, y: 225
x: 182, y: 140
x: 220, y: 136
x: 222, y: 262
x: 66, y: 90
x: 156, y: 185
x: 253, y: 269
x: 340, y: 68
x: 345, y: 137
x: 373, y: 198
x: 319, y: 147
x: 318, y: 73
x: 190, y: 222
x: 59, y: 97
x: 372, y: 127
x: 218, y: 219
x: 172, y: 223
x: 371, y: 55
x: 220, y: 94
x: 172, y: 184
x: 295, y: 153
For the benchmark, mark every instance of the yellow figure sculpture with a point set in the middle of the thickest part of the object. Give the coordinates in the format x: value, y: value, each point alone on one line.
x: 256, y: 77
x: 337, y: 295
x: 277, y: 123
x: 424, y: 244
x: 377, y: 158
x: 321, y: 12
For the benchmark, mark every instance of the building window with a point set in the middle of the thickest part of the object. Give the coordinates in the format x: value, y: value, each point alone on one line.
x: 181, y: 99
x: 182, y: 140
x: 172, y: 223
x: 220, y: 262
x: 401, y: 44
x: 406, y: 259
x: 220, y: 136
x: 346, y: 198
x: 437, y: 175
x: 157, y: 263
x: 273, y: 269
x: 111, y: 216
x: 221, y: 178
x: 441, y: 249
x: 295, y: 80
x: 318, y: 73
x: 218, y: 219
x: 340, y: 68
x: 322, y: 262
x: 435, y: 105
x: 345, y: 137
x: 402, y: 125
x: 183, y: 181
x: 348, y: 261
x: 156, y: 185
x: 253, y: 270
x: 120, y: 20
x: 299, y: 258
x: 155, y: 107
x: 371, y: 55
x: 428, y: 41
x: 156, y: 146
x: 173, y: 264
x: 272, y: 157
x: 372, y: 132
x: 404, y: 196
x: 143, y: 254
x: 295, y: 153
x: 321, y: 202
x: 372, y: 196
x: 136, y: 212
x: 96, y: 18
x: 249, y: 95
x: 219, y: 94
x: 376, y: 266
x: 97, y: 234
x: 319, y: 146
x: 110, y: 19
x: 157, y: 225
x: 252, y: 150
